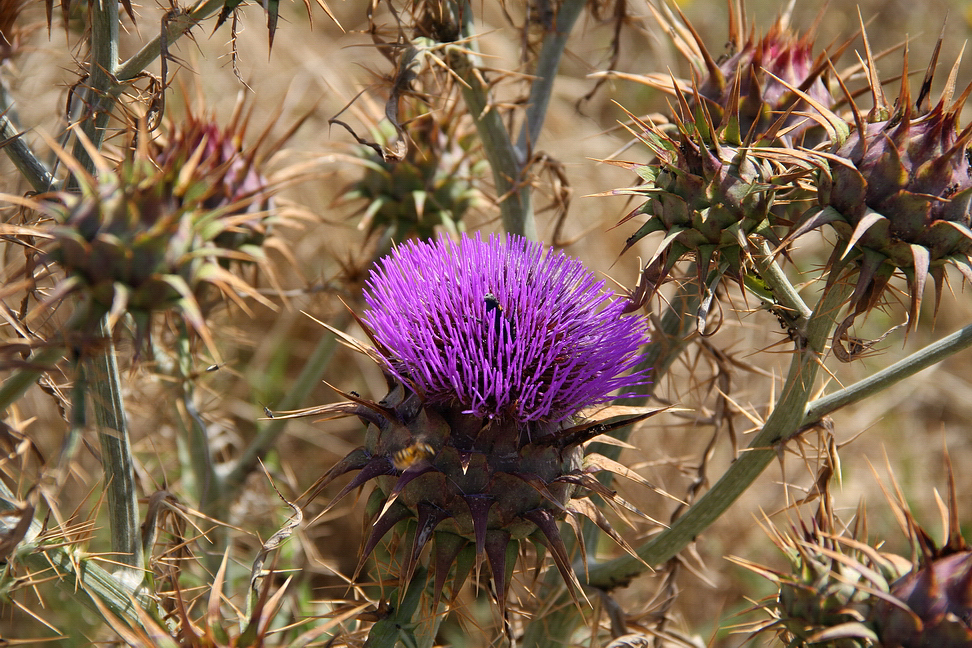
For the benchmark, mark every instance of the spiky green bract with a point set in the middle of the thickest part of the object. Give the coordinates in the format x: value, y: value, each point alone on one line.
x: 898, y: 192
x: 495, y: 352
x: 427, y: 190
x: 146, y: 235
x: 226, y: 174
x: 706, y: 192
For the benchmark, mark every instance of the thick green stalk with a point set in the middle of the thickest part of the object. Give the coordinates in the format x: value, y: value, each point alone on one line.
x: 79, y: 575
x: 785, y: 421
x: 512, y: 188
x: 931, y: 354
x: 99, y: 89
x: 103, y: 375
x: 548, y: 62
x: 116, y: 457
x: 35, y: 172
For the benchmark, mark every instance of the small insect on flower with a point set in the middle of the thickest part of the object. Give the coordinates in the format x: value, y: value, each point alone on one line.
x: 493, y: 306
x: 412, y: 454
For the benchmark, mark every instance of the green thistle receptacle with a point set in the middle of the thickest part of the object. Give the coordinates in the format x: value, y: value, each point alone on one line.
x: 706, y: 192
x: 429, y: 189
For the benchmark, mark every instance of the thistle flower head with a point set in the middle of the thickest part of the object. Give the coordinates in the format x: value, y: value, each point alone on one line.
x: 160, y: 229
x: 502, y: 327
x: 495, y: 352
x: 842, y: 592
x: 428, y: 188
x: 708, y: 194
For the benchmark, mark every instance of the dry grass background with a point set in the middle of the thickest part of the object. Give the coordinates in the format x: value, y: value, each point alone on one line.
x: 321, y: 69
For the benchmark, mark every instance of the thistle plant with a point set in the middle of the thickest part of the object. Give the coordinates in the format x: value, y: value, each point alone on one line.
x: 895, y: 186
x: 430, y: 189
x: 764, y: 82
x: 500, y: 357
x: 498, y: 386
x: 843, y: 591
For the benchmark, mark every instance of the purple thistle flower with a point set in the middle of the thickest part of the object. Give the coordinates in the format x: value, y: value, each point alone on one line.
x: 504, y: 328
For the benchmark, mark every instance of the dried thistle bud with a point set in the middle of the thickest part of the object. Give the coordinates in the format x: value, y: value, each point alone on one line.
x: 148, y: 234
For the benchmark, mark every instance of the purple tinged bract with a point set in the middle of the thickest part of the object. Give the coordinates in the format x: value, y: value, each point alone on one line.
x: 504, y: 328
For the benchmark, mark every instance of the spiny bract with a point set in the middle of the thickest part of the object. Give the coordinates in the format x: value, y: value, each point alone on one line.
x: 843, y: 593
x: 496, y: 353
x: 430, y: 188
x: 707, y: 193
x: 897, y: 189
x: 758, y: 80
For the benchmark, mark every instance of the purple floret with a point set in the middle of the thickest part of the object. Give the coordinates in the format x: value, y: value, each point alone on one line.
x: 503, y: 328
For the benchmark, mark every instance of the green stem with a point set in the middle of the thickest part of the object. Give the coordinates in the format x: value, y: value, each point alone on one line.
x: 175, y: 27
x: 18, y: 151
x: 79, y: 420
x: 109, y: 409
x: 548, y: 62
x: 41, y: 360
x: 931, y: 354
x: 100, y: 86
x: 209, y: 489
x: 785, y: 421
x: 512, y: 189
x: 783, y: 291
x: 78, y: 575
